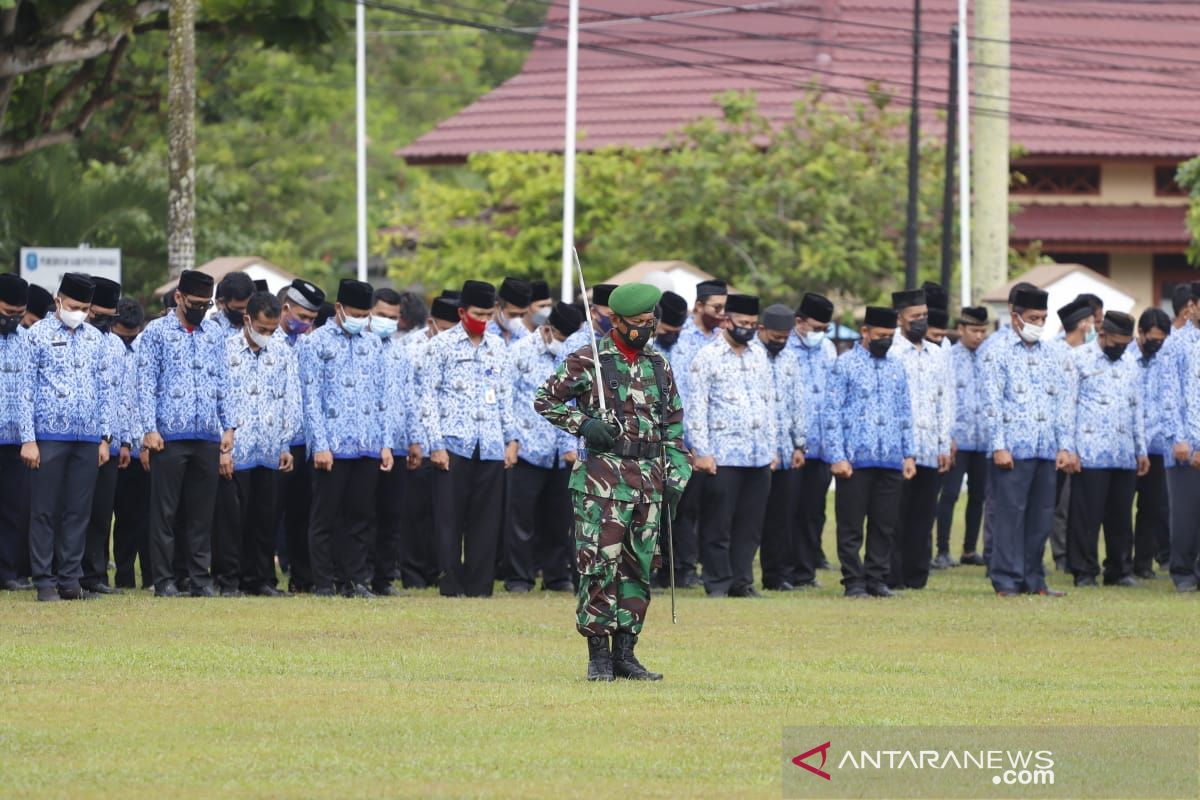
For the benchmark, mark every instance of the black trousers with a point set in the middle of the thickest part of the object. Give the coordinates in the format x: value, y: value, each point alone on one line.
x: 1101, y: 497
x: 418, y: 550
x: 973, y: 465
x: 871, y: 495
x: 342, y: 521
x: 243, y: 541
x: 685, y: 527
x: 185, y: 470
x: 810, y: 520
x: 297, y: 495
x: 731, y: 517
x: 538, y: 510
x: 1183, y: 489
x: 95, y: 548
x: 1152, y: 530
x: 14, y: 514
x: 780, y: 549
x: 60, y: 507
x: 467, y: 515
x: 912, y: 545
x: 384, y: 557
x: 131, y: 526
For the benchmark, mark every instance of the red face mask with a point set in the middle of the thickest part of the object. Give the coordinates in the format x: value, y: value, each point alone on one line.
x: 473, y: 326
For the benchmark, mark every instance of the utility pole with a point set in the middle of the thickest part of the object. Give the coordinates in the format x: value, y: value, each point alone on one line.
x: 914, y: 156
x: 568, y: 231
x: 989, y: 161
x: 948, y: 179
x: 360, y: 135
x: 181, y: 136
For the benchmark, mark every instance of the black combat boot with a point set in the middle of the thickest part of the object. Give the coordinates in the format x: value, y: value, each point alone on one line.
x: 625, y: 663
x: 600, y: 665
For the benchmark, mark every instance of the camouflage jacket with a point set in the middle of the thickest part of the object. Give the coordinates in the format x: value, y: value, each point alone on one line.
x: 629, y: 480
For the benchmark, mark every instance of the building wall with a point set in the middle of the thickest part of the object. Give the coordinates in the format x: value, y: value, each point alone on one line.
x: 1121, y: 182
x: 1135, y: 274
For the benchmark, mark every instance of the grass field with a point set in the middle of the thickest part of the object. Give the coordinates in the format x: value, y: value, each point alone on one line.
x: 420, y: 696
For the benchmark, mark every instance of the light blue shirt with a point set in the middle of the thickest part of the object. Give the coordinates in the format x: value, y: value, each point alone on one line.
x: 68, y: 385
x: 815, y: 364
x: 531, y: 363
x: 931, y: 395
x: 343, y: 388
x: 869, y: 419
x: 183, y: 380
x: 691, y: 340
x: 1027, y: 393
x: 122, y: 403
x: 970, y: 424
x: 1106, y: 405
x: 416, y: 348
x: 14, y: 361
x: 791, y: 432
x: 264, y: 399
x: 287, y: 340
x: 732, y: 415
x: 466, y: 397
x: 395, y: 358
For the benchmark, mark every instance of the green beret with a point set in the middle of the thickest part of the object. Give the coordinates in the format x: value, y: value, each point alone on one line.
x: 631, y: 299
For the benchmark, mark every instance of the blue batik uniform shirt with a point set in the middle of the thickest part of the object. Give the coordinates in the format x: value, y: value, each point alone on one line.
x: 183, y: 380
x: 1162, y: 404
x: 1109, y: 428
x: 791, y: 432
x: 732, y: 413
x: 531, y: 363
x: 264, y: 395
x: 14, y: 361
x: 344, y: 391
x: 970, y: 423
x: 815, y: 365
x: 868, y: 419
x: 67, y: 395
x: 931, y: 396
x: 1026, y: 395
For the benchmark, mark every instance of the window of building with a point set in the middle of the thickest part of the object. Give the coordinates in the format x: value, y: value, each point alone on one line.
x: 1164, y: 182
x: 1071, y: 179
x: 1094, y: 261
x: 1171, y: 270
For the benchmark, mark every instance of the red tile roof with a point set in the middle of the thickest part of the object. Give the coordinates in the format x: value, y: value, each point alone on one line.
x: 1094, y: 225
x: 1115, y: 79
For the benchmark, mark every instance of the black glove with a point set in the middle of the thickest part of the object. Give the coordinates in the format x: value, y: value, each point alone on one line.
x: 671, y: 497
x: 598, y: 434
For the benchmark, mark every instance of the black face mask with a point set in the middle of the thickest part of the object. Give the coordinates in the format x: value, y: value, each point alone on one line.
x: 102, y: 322
x: 775, y: 348
x: 742, y: 335
x: 1114, y: 351
x: 637, y: 336
x: 917, y: 330
x: 667, y: 339
x: 194, y: 316
x: 1151, y: 346
x: 236, y: 318
x: 880, y: 347
x: 9, y: 324
x: 128, y: 340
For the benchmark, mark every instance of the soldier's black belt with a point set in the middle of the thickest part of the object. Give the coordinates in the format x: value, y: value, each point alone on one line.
x: 647, y: 451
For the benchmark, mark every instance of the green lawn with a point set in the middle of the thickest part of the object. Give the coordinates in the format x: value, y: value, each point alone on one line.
x: 420, y: 696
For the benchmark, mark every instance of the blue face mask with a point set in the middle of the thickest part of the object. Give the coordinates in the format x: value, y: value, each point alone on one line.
x: 604, y: 322
x: 1090, y: 336
x: 353, y: 325
x: 383, y: 327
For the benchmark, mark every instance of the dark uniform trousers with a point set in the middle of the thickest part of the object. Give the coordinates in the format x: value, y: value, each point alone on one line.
x: 780, y: 545
x: 870, y: 495
x: 14, y: 514
x: 538, y: 521
x: 1021, y: 508
x: 95, y: 548
x: 389, y: 528
x: 467, y: 514
x: 1183, y: 489
x: 912, y: 544
x: 131, y: 525
x: 1062, y: 517
x: 297, y: 492
x: 243, y: 542
x: 185, y: 472
x: 342, y: 522
x: 60, y: 507
x: 418, y: 553
x: 810, y: 520
x: 731, y: 518
x: 973, y: 465
x: 685, y: 528
x: 1152, y: 532
x: 1101, y: 497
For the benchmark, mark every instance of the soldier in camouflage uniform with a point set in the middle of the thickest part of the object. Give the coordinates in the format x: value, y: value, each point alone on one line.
x: 635, y: 471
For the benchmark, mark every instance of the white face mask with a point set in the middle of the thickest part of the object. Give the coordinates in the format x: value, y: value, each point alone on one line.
x: 383, y: 327
x: 554, y: 347
x: 1030, y: 333
x: 540, y: 317
x: 72, y: 319
x: 516, y: 326
x: 814, y: 338
x: 260, y: 341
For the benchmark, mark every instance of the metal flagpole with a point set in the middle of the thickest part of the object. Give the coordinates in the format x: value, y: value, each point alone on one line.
x: 360, y: 101
x: 568, y: 234
x: 587, y: 310
x: 964, y: 159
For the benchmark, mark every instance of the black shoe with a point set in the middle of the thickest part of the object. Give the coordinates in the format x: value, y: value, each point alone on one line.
x: 518, y: 588
x: 746, y: 591
x: 971, y: 560
x: 168, y: 589
x: 600, y: 664
x: 48, y: 595
x: 229, y: 591
x: 782, y: 586
x: 1007, y: 593
x: 1048, y: 592
x: 1179, y: 587
x: 78, y: 593
x: 1085, y: 581
x: 1145, y: 574
x: 813, y: 584
x: 385, y: 590
x: 323, y: 591
x: 943, y: 561
x: 824, y: 564
x: 625, y: 663
x: 203, y: 591
x: 184, y: 585
x: 267, y: 590
x: 295, y: 587
x: 1060, y: 564
x: 359, y: 590
x: 1128, y: 582
x: 16, y: 585
x: 880, y: 590
x: 558, y: 587
x: 101, y: 588
x: 690, y: 581
x: 856, y: 591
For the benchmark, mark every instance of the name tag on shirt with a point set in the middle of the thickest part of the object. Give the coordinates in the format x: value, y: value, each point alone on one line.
x: 58, y: 344
x: 489, y: 397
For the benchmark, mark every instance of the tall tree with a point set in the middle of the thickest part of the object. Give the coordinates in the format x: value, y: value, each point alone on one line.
x: 181, y: 138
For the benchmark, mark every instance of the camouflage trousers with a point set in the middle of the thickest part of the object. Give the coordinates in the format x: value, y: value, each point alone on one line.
x: 616, y: 548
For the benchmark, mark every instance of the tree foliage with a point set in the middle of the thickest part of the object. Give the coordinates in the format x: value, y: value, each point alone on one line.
x: 1188, y: 177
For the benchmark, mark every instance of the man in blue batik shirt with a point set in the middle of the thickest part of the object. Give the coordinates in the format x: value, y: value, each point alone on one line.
x: 731, y: 424
x: 64, y: 425
x: 538, y: 510
x: 969, y: 440
x: 183, y: 388
x: 869, y: 442
x: 131, y: 502
x: 512, y: 312
x: 601, y: 322
x: 348, y: 427
x: 815, y: 355
x: 466, y: 410
x: 1110, y: 448
x: 780, y: 549
x: 233, y: 295
x: 264, y: 401
x: 389, y: 493
x: 1161, y: 401
x: 1027, y: 396
x: 14, y: 475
